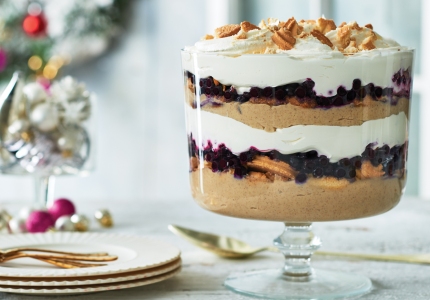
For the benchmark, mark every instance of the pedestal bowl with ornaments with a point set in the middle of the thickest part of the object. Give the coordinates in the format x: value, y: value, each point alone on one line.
x: 46, y: 130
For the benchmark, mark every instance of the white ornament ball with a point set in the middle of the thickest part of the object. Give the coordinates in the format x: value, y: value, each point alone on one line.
x: 34, y: 92
x: 17, y: 225
x: 64, y: 224
x: 45, y: 117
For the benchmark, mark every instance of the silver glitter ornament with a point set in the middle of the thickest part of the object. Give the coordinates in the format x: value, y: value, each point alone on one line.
x: 17, y: 225
x: 64, y: 223
x: 104, y: 217
x: 81, y: 222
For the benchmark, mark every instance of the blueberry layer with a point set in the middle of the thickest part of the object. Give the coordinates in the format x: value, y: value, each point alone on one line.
x: 306, y: 164
x: 304, y: 92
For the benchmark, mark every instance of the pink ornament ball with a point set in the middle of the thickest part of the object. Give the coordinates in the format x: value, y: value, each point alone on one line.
x: 62, y: 207
x: 39, y: 221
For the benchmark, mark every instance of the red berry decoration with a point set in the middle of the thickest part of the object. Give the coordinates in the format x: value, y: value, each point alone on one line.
x: 39, y: 221
x: 34, y: 25
x: 62, y: 207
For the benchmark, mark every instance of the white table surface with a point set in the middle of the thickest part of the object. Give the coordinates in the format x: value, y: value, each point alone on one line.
x: 405, y: 229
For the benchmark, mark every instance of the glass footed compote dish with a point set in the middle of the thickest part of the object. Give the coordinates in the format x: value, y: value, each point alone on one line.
x: 46, y: 131
x: 296, y: 139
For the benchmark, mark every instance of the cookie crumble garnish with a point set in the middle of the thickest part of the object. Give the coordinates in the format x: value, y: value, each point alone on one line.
x: 322, y: 38
x: 324, y: 25
x: 293, y: 26
x: 247, y: 26
x: 207, y: 37
x: 284, y: 39
x: 227, y: 30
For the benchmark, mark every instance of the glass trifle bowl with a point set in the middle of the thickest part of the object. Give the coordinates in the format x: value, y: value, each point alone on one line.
x: 297, y: 122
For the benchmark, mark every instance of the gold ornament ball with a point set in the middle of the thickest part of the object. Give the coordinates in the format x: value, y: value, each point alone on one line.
x: 80, y: 222
x: 104, y: 217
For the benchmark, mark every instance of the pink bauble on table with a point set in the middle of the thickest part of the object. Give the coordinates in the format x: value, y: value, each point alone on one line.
x: 62, y: 207
x: 39, y: 221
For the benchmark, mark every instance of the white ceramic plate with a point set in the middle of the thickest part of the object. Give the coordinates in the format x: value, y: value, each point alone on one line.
x: 134, y: 253
x: 89, y: 280
x: 87, y: 288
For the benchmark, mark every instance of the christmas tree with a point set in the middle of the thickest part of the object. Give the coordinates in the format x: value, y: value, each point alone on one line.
x: 40, y: 37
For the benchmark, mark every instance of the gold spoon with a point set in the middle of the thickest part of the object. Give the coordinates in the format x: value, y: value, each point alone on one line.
x: 232, y: 248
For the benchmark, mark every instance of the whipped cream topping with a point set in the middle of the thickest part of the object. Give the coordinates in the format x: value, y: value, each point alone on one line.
x: 336, y: 142
x: 259, y: 41
x: 246, y: 71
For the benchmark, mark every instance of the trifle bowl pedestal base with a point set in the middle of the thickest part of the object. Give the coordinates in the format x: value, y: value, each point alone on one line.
x: 273, y: 284
x: 297, y: 280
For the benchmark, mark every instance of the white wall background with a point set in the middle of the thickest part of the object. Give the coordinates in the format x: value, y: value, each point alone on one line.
x: 142, y: 150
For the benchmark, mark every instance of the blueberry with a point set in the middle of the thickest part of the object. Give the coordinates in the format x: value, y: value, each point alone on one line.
x: 318, y: 172
x: 215, y: 91
x: 340, y: 173
x: 351, y: 95
x: 227, y: 95
x: 301, y: 178
x: 309, y: 166
x: 267, y: 91
x: 328, y: 171
x: 323, y: 160
x: 378, y: 92
x: 325, y: 101
x: 311, y: 154
x: 300, y: 92
x: 209, y: 157
x: 344, y: 162
x: 338, y: 101
x: 254, y: 92
x: 309, y: 83
x: 272, y: 154
x: 201, y: 82
x: 356, y: 84
x: 291, y: 89
x: 351, y: 173
x: 369, y: 152
x: 243, y: 157
x: 385, y: 149
x: 222, y: 164
x: 341, y: 91
x: 209, y: 82
x: 356, y: 162
x: 280, y: 94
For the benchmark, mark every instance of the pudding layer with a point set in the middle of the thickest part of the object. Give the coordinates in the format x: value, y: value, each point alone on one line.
x: 317, y: 200
x: 269, y: 118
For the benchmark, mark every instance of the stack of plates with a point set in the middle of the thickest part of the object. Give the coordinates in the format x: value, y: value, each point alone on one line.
x: 141, y: 261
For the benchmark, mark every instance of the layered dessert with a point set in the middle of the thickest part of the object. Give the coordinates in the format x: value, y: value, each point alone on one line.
x: 297, y: 121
